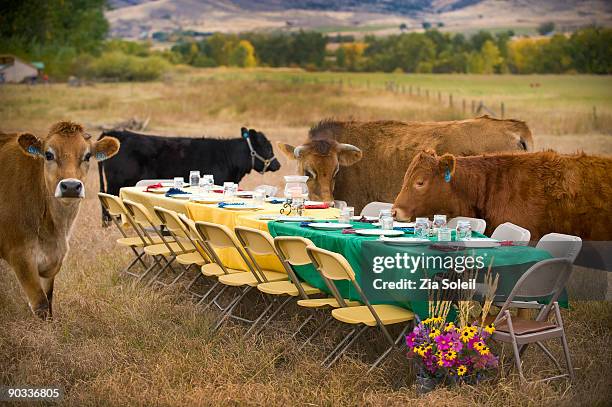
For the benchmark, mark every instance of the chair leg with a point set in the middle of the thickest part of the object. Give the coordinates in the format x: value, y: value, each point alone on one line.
x: 137, y: 259
x: 347, y: 346
x: 262, y: 314
x: 566, y: 352
x: 390, y: 348
x: 550, y: 355
x: 340, y: 344
x: 154, y: 264
x: 274, y: 314
x: 302, y: 325
x: 230, y: 308
x: 156, y: 276
x: 316, y: 332
x: 517, y: 360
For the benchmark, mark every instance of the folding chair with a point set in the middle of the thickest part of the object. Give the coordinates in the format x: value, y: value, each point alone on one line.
x: 221, y: 237
x: 545, y: 279
x: 478, y: 225
x: 292, y: 252
x: 164, y: 252
x: 513, y: 233
x: 258, y: 243
x: 374, y: 208
x: 116, y: 210
x: 334, y: 267
x: 189, y: 252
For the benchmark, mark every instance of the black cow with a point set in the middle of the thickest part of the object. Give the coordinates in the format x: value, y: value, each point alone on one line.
x: 155, y: 157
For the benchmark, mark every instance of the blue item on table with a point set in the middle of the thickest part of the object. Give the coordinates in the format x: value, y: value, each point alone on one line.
x: 406, y: 230
x: 176, y: 191
x: 276, y: 201
x: 224, y: 204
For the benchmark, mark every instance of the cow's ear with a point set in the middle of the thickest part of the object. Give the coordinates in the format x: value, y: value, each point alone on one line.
x: 105, y: 148
x: 30, y: 144
x: 287, y: 149
x: 348, y: 154
x: 447, y: 166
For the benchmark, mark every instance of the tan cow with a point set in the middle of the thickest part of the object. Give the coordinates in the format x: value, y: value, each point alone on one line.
x: 331, y: 156
x: 41, y: 188
x: 544, y: 192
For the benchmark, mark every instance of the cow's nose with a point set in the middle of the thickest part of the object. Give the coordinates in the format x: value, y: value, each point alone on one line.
x: 70, y: 188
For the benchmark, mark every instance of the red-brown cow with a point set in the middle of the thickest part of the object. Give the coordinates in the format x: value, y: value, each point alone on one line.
x: 543, y: 192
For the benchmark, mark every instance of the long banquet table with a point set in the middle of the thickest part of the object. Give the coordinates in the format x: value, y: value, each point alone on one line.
x: 510, y: 262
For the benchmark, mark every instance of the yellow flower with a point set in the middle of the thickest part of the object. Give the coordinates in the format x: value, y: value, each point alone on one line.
x: 490, y: 328
x: 449, y: 327
x: 484, y: 350
x: 461, y: 370
x: 428, y: 321
x: 479, y: 345
x: 450, y: 355
x: 467, y: 334
x: 434, y: 333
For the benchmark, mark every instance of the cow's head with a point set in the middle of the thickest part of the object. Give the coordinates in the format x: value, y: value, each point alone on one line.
x: 429, y: 188
x: 67, y: 152
x: 262, y: 153
x: 320, y: 160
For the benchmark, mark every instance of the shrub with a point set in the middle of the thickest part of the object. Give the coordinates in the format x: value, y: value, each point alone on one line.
x: 119, y: 66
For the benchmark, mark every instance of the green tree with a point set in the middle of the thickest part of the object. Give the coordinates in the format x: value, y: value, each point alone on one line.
x: 491, y: 57
x: 243, y: 55
x: 546, y: 28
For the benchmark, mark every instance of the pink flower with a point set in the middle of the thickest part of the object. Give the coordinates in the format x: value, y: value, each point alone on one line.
x: 444, y: 342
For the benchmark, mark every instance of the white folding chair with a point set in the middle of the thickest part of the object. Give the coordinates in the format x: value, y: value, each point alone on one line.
x: 147, y: 182
x: 561, y: 246
x: 374, y: 208
x: 478, y: 225
x: 545, y: 279
x: 513, y: 233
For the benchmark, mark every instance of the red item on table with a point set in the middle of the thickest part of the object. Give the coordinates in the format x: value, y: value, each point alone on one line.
x: 323, y: 205
x: 154, y: 186
x: 348, y: 231
x: 506, y: 243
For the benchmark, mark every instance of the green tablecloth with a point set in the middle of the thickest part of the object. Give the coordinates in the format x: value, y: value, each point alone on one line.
x: 510, y: 262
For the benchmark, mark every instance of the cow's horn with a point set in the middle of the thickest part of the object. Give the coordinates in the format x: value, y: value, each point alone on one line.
x: 297, y: 151
x: 348, y: 147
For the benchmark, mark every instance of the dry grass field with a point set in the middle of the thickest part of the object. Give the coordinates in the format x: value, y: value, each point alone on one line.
x: 116, y: 343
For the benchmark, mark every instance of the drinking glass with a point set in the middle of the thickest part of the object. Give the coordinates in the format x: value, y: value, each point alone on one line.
x: 207, y: 182
x: 351, y: 211
x: 194, y: 178
x: 228, y: 190
x: 384, y: 213
x: 345, y: 216
x: 421, y: 228
x: 464, y: 230
x: 259, y: 198
x: 439, y: 221
x: 386, y: 222
x: 444, y: 234
x: 178, y: 182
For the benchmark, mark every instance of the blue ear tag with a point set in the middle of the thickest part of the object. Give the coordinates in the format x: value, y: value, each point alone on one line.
x: 245, y: 134
x: 447, y: 175
x: 33, y: 150
x: 100, y: 156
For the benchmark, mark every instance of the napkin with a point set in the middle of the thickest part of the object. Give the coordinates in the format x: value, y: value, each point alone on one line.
x: 177, y: 191
x: 323, y: 205
x: 407, y: 230
x: 224, y: 204
x: 276, y: 201
x: 154, y: 186
x: 348, y: 231
x: 506, y: 243
x: 363, y: 219
x: 445, y: 248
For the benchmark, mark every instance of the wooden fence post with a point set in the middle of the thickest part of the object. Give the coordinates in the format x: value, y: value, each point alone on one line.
x: 595, y: 116
x: 418, y: 91
x: 463, y: 107
x: 502, y: 110
x: 427, y: 94
x: 450, y: 99
x: 439, y: 97
x: 473, y: 106
x: 410, y: 90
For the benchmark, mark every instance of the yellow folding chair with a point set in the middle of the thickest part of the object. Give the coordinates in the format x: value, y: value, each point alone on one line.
x: 292, y: 252
x: 258, y: 243
x: 116, y: 210
x: 163, y: 254
x: 221, y: 237
x: 334, y: 267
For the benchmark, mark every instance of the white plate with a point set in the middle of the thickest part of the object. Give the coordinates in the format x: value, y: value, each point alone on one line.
x: 244, y: 193
x: 398, y: 224
x: 378, y: 232
x: 357, y: 218
x: 478, y: 242
x: 206, y: 199
x: 161, y: 190
x: 329, y: 225
x: 294, y: 218
x: 404, y: 241
x: 308, y: 203
x: 180, y: 196
x: 245, y: 207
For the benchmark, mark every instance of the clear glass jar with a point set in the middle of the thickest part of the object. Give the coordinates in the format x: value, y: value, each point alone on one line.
x: 384, y: 213
x: 444, y: 234
x: 228, y: 190
x: 178, y: 182
x: 259, y: 197
x: 345, y: 216
x: 207, y: 182
x: 421, y: 228
x: 386, y: 222
x: 295, y: 187
x: 194, y: 179
x: 439, y: 221
x: 464, y: 229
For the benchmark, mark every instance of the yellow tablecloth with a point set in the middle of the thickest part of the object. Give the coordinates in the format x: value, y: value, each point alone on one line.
x: 249, y: 218
x: 228, y: 217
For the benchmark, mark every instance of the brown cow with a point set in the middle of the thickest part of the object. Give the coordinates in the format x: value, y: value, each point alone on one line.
x: 543, y: 192
x: 41, y: 187
x: 389, y: 146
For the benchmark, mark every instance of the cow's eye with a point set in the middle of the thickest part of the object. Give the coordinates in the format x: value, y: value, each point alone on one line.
x: 49, y: 156
x: 87, y: 157
x: 419, y: 183
x: 310, y: 174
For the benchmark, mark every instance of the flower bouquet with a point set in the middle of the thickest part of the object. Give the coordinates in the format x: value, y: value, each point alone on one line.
x: 448, y: 353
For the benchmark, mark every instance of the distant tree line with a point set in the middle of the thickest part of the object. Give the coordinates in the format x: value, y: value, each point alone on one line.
x: 70, y: 37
